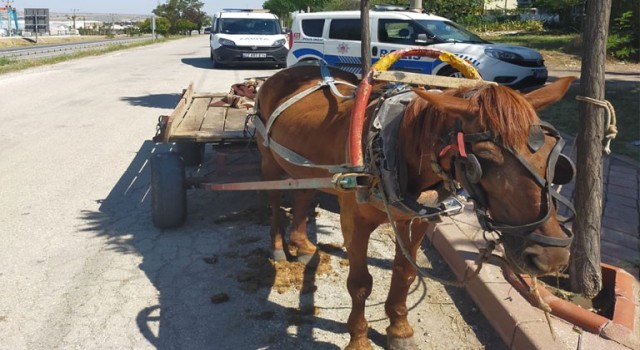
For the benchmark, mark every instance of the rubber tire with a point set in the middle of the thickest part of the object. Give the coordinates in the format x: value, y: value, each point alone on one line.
x: 450, y: 72
x: 215, y: 64
x: 168, y: 190
x: 191, y: 152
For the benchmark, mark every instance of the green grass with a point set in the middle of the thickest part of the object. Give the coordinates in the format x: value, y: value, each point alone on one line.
x: 624, y: 98
x: 8, y: 65
x: 566, y: 43
x: 623, y: 95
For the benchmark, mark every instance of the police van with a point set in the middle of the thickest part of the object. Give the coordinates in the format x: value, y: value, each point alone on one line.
x: 247, y: 37
x: 335, y: 38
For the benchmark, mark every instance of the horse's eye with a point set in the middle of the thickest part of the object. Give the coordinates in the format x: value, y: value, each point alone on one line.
x: 488, y: 153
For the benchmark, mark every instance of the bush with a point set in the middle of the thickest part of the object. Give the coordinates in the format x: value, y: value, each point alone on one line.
x: 622, y: 41
x: 479, y: 25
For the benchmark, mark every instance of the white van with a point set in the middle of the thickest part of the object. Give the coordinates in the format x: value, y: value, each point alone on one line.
x: 335, y: 38
x: 247, y: 37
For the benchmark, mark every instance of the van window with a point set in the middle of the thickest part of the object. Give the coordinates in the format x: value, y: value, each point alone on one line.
x: 345, y: 29
x: 313, y: 27
x: 249, y: 26
x: 449, y: 32
x: 398, y: 31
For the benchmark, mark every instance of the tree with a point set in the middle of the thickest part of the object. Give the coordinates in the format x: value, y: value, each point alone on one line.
x: 453, y: 9
x: 184, y: 26
x: 162, y: 26
x: 175, y: 10
x: 586, y: 275
x: 280, y: 8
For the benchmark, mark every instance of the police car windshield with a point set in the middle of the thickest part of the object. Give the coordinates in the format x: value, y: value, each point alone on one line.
x: 446, y: 31
x: 249, y: 26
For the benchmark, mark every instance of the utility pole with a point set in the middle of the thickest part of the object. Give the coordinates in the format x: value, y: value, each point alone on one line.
x: 415, y: 5
x: 9, y: 9
x: 73, y: 17
x: 365, y: 37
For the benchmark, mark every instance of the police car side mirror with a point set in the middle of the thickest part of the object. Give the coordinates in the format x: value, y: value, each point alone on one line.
x: 423, y: 39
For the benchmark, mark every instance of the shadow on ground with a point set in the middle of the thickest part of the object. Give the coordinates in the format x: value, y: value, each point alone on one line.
x: 167, y: 101
x: 198, y: 269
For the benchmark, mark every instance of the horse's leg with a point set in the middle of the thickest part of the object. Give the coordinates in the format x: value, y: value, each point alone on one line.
x: 272, y: 171
x: 277, y: 226
x: 400, y: 332
x: 298, y: 238
x: 356, y: 231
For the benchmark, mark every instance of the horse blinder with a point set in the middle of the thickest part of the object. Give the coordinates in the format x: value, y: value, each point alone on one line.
x: 469, y: 171
x: 565, y: 170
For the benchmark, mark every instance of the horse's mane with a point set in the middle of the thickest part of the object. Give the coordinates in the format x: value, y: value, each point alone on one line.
x: 500, y: 109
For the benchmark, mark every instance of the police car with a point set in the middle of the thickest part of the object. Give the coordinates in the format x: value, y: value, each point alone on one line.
x: 335, y: 38
x: 247, y: 37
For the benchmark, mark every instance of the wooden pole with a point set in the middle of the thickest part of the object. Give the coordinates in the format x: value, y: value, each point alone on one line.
x: 586, y: 276
x: 365, y: 37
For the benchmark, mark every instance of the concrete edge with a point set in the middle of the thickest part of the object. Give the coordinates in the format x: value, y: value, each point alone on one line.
x: 519, y: 324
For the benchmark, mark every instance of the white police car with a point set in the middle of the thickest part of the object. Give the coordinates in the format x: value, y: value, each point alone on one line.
x: 335, y: 38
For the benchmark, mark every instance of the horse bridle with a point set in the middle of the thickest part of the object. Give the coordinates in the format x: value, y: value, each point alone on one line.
x: 469, y: 171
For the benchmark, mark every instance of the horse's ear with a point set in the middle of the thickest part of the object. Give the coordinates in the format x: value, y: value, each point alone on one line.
x: 550, y: 93
x: 451, y: 105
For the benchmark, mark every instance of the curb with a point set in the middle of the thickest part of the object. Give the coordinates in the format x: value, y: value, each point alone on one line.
x: 512, y: 316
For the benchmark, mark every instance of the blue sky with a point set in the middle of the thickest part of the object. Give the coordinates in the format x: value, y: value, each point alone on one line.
x: 123, y: 6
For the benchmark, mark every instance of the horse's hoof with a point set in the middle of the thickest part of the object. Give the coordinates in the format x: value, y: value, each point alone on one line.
x: 279, y: 255
x: 359, y: 345
x: 401, y: 343
x: 309, y: 259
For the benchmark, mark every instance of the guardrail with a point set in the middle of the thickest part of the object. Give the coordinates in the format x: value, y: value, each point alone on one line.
x: 62, y: 49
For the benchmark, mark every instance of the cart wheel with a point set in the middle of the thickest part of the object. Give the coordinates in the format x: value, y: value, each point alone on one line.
x: 191, y: 152
x: 168, y: 190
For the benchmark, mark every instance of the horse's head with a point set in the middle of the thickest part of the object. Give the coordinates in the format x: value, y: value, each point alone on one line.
x: 506, y: 159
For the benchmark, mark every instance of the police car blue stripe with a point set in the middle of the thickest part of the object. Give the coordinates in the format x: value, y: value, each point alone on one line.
x: 304, y: 52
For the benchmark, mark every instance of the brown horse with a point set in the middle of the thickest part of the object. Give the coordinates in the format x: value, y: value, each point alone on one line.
x: 483, y: 135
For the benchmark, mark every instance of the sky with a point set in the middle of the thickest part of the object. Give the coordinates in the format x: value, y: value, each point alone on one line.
x: 137, y: 7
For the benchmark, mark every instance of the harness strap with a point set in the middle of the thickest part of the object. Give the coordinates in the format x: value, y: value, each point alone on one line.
x: 276, y: 113
x: 287, y: 154
x: 460, y: 161
x: 329, y: 80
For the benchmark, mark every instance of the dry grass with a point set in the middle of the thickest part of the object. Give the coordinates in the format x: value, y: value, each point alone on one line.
x: 7, y: 42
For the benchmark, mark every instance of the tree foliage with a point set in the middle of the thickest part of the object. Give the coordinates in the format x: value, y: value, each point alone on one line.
x: 183, y: 15
x: 162, y: 26
x: 624, y: 25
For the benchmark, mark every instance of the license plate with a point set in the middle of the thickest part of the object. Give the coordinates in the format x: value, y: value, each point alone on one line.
x: 254, y: 55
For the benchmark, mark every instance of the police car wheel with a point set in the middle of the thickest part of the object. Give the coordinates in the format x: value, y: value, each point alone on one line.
x: 450, y: 72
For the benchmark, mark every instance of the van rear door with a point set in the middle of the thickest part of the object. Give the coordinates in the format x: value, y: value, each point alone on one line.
x: 342, y: 44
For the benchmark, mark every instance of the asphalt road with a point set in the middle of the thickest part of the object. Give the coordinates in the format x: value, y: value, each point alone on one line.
x: 81, y: 265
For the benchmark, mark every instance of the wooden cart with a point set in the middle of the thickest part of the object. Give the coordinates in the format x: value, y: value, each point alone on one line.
x: 192, y: 125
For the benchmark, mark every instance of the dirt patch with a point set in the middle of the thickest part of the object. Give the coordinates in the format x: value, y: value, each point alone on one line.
x: 288, y: 305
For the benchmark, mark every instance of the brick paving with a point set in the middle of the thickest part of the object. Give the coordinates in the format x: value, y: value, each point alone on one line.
x: 620, y: 234
x: 620, y: 228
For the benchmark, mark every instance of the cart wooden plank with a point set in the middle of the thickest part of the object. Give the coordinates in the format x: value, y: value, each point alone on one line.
x: 195, y: 120
x: 194, y: 116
